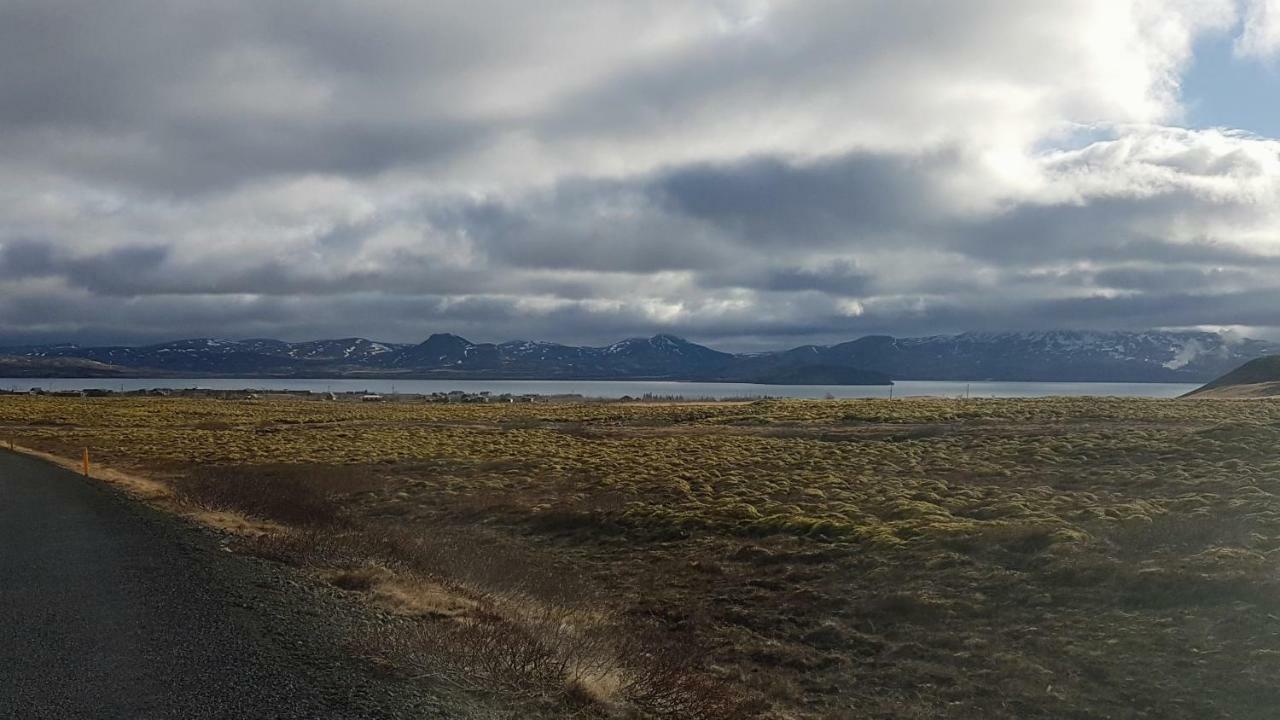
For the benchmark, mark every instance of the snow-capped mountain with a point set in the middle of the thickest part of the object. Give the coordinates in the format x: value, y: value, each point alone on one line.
x: 1042, y: 356
x: 1055, y: 356
x: 354, y: 350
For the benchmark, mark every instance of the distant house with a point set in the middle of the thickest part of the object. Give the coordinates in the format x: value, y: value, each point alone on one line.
x: 371, y: 398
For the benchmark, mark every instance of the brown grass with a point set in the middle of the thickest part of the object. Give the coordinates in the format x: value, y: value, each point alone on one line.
x: 584, y: 660
x: 490, y: 616
x: 134, y: 485
x: 295, y: 495
x: 812, y: 560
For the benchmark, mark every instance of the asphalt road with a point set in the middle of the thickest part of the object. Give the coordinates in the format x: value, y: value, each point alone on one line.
x: 109, y: 609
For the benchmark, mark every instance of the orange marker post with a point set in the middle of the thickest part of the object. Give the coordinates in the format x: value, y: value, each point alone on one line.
x: 86, y: 462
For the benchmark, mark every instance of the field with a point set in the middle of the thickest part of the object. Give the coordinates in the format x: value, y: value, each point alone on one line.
x: 1051, y: 558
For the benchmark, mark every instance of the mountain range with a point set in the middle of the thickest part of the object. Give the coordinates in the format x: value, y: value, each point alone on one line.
x: 1156, y: 356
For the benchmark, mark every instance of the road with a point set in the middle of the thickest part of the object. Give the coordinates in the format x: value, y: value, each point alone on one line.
x: 110, y: 609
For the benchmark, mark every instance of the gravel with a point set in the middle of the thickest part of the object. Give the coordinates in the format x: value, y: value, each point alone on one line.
x: 110, y: 609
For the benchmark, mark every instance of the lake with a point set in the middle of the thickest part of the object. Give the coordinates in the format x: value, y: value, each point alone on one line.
x: 618, y: 388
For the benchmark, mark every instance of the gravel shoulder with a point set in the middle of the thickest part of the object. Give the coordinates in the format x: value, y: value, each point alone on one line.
x: 111, y: 609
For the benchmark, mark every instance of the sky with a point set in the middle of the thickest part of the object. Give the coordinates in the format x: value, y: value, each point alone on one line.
x: 749, y: 174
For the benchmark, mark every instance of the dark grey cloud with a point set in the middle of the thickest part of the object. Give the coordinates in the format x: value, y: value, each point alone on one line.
x: 1158, y: 280
x: 1111, y: 229
x: 116, y: 271
x: 1256, y: 308
x: 859, y: 198
x: 840, y: 277
x: 586, y: 226
x: 189, y: 97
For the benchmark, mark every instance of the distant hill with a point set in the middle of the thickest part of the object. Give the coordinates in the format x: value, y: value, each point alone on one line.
x: 1158, y: 356
x: 25, y: 367
x: 1056, y: 356
x: 1255, y: 379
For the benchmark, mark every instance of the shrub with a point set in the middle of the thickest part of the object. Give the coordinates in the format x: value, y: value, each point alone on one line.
x: 534, y: 649
x: 302, y: 496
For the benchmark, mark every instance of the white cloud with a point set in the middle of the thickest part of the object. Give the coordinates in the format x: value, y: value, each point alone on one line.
x: 1260, y: 38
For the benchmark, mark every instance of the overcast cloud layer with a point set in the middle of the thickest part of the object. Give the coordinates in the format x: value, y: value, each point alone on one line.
x: 748, y: 173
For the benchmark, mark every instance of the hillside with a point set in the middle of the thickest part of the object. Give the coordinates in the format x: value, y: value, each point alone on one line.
x: 1255, y: 379
x: 25, y: 367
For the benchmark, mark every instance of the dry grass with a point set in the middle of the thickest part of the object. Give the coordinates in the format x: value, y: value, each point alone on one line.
x: 587, y: 662
x: 490, y: 619
x: 931, y: 558
x: 137, y: 486
x: 292, y: 495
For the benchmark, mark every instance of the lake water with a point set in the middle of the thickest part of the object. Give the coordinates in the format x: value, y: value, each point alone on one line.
x: 618, y: 388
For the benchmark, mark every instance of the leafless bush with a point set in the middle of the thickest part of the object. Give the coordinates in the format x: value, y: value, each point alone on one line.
x: 545, y: 652
x: 532, y: 649
x: 663, y: 678
x: 302, y: 496
x: 339, y: 547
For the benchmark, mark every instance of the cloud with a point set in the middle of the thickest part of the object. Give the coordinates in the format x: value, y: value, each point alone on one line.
x: 1260, y: 38
x: 839, y: 277
x: 749, y: 172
